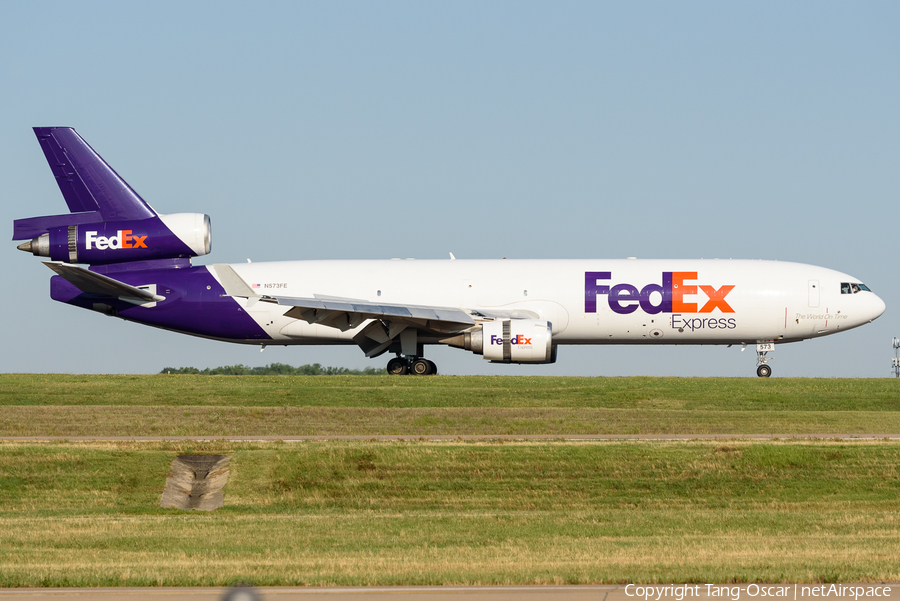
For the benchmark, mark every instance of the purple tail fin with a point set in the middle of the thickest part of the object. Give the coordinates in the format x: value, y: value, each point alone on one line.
x: 86, y: 181
x: 108, y: 223
x: 92, y: 189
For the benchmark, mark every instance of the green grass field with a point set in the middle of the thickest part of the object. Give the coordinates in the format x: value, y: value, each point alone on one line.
x: 366, y: 513
x: 160, y: 405
x: 456, y: 512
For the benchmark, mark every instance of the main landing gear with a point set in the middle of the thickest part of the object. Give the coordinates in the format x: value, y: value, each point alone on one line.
x: 420, y: 366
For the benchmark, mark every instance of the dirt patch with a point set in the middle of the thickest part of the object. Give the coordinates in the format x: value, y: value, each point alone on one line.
x: 196, y: 482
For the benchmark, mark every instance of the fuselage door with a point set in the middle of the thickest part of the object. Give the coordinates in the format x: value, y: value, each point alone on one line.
x: 814, y: 293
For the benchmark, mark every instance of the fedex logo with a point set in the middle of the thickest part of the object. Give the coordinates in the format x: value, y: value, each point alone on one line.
x: 675, y: 292
x: 123, y: 239
x: 518, y: 340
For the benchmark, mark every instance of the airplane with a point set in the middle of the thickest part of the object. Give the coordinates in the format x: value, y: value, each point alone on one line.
x: 139, y: 268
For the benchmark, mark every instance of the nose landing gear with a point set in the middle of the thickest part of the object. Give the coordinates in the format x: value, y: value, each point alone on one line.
x: 762, y: 359
x: 420, y: 366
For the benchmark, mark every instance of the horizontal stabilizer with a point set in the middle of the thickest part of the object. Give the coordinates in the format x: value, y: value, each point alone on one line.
x: 94, y: 283
x: 32, y: 227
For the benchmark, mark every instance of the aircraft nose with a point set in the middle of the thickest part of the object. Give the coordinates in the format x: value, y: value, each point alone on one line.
x: 876, y: 307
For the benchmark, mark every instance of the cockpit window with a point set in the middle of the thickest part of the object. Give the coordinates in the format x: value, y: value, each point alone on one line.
x: 853, y: 288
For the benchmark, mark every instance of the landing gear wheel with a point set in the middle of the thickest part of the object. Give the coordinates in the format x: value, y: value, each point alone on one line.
x: 422, y: 367
x: 433, y: 367
x: 763, y: 371
x: 397, y: 367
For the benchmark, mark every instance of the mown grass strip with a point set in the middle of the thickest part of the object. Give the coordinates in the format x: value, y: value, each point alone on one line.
x: 689, y: 394
x: 129, y: 420
x: 367, y: 513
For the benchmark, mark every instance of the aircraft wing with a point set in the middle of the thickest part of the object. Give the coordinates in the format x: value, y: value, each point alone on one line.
x: 388, y: 320
x: 95, y: 283
x: 348, y: 313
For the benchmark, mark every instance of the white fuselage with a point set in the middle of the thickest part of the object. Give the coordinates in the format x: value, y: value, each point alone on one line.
x: 587, y: 301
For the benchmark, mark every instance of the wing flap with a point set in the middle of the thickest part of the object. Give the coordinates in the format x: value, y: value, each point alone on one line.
x: 318, y: 311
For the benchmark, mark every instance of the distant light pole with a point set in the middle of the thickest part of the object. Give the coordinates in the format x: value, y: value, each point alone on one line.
x: 895, y: 362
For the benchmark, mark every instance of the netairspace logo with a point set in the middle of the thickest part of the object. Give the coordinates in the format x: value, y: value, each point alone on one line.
x: 679, y: 592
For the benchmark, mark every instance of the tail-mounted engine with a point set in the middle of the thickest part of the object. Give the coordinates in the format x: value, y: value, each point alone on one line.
x: 161, y: 237
x: 107, y: 221
x: 509, y: 341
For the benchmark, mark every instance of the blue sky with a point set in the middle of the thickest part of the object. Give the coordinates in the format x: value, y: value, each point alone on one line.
x: 505, y: 129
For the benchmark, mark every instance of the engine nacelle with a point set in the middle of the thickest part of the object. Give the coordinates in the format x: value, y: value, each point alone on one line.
x: 162, y: 237
x: 509, y: 341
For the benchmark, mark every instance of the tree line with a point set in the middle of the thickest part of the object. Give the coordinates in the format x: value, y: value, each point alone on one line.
x: 276, y: 369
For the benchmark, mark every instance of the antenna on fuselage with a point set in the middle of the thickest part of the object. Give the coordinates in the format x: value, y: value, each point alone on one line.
x: 895, y: 362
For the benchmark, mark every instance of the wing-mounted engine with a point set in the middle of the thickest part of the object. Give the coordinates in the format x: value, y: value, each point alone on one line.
x: 509, y: 341
x: 181, y: 235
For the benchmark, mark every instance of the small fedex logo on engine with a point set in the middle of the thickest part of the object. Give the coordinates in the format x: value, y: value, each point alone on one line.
x: 122, y: 239
x: 517, y: 340
x: 674, y: 294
